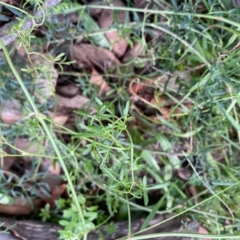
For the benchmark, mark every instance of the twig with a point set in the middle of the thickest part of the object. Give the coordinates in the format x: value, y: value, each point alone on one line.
x: 26, y: 229
x: 29, y: 23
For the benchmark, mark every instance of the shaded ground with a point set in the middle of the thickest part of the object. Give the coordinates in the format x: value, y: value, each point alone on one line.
x: 142, y: 107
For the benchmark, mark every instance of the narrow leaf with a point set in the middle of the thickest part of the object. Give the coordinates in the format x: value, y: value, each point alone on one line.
x: 159, y: 186
x: 229, y: 117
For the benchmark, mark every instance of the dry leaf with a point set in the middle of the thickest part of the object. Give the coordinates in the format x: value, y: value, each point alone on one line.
x: 136, y: 88
x: 184, y: 173
x: 11, y: 111
x: 8, y: 161
x: 98, y: 80
x: 25, y: 147
x: 12, y: 2
x: 134, y: 52
x: 76, y: 102
x: 119, y: 45
x: 194, y: 192
x: 36, y: 148
x: 48, y: 164
x: 87, y: 55
x: 142, y: 3
x: 203, y: 230
x: 60, y: 119
x: 21, y: 206
x: 55, y: 195
x: 55, y: 187
x: 67, y: 90
x: 94, y: 12
x: 237, y: 2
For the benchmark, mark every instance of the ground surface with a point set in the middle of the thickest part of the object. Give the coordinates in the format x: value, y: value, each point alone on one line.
x: 121, y: 110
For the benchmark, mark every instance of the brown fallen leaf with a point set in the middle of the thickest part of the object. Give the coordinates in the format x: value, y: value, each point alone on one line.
x: 98, y: 80
x: 76, y: 102
x: 55, y: 195
x: 194, y: 227
x: 194, y: 192
x: 134, y: 52
x: 11, y: 111
x: 8, y: 161
x: 26, y: 147
x: 21, y: 206
x: 12, y: 2
x: 106, y: 19
x: 119, y: 45
x: 87, y: 55
x: 136, y: 88
x: 203, y: 230
x: 184, y: 173
x: 54, y: 190
x: 95, y: 12
x: 143, y: 3
x: 60, y: 119
x: 69, y: 90
x: 48, y: 164
x: 139, y: 91
x: 165, y: 112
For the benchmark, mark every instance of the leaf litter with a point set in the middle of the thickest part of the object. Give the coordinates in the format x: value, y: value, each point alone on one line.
x: 87, y: 56
x: 97, y: 62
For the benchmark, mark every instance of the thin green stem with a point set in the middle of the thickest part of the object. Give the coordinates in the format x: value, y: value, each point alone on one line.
x: 41, y: 119
x: 191, y: 235
x: 160, y: 12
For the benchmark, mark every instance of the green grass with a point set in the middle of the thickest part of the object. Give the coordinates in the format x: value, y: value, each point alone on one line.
x: 130, y: 156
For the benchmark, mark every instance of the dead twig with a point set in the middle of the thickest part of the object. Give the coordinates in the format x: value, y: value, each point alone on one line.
x: 30, y: 22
